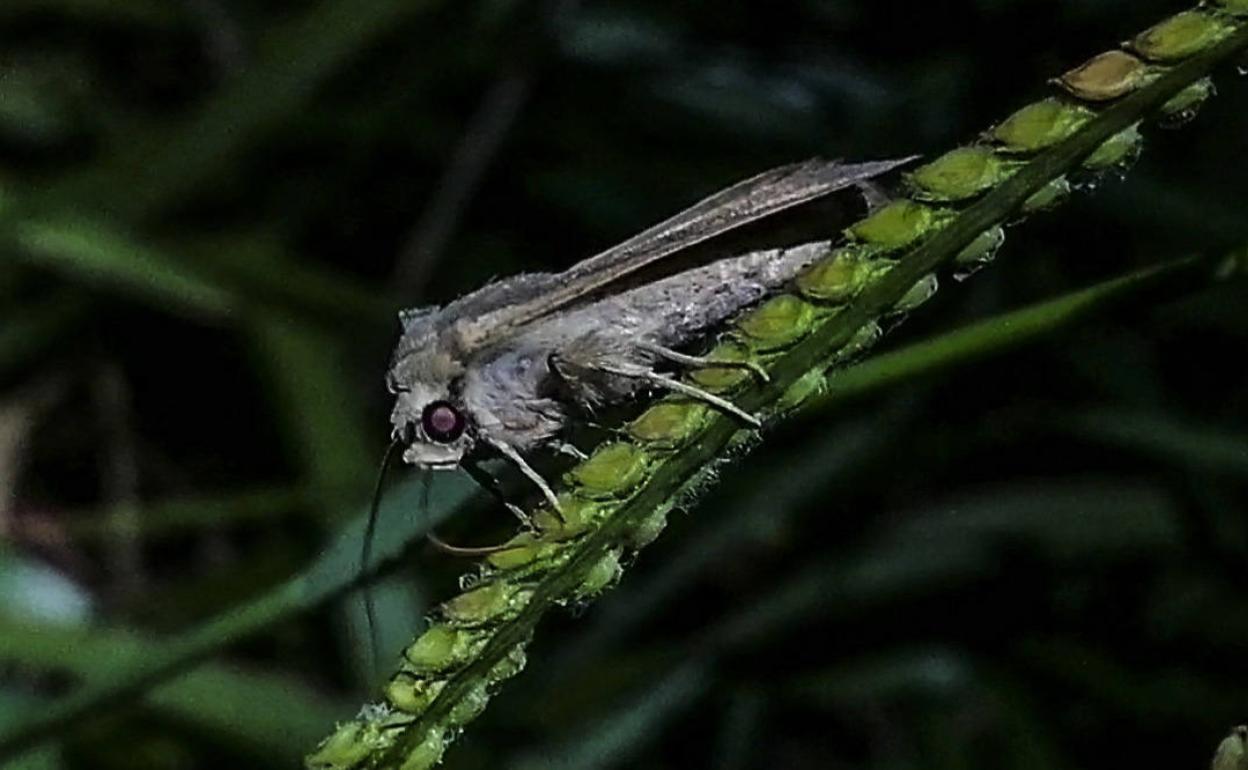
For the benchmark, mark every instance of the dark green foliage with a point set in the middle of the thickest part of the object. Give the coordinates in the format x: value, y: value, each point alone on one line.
x: 1028, y: 559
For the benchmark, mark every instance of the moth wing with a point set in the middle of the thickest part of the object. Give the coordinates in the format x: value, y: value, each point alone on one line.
x: 747, y: 201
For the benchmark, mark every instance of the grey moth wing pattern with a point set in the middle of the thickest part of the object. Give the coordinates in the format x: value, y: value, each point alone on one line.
x: 743, y: 203
x: 503, y: 367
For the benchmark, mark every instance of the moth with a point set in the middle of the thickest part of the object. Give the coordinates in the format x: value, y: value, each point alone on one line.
x: 502, y: 370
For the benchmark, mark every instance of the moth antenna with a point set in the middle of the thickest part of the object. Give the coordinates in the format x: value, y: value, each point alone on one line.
x: 366, y: 550
x: 425, y: 484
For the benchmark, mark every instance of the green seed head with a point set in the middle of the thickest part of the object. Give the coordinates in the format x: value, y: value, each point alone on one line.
x: 921, y: 292
x: 579, y: 514
x: 1049, y: 196
x: 524, y: 549
x: 897, y: 225
x: 442, y: 647
x: 601, y: 575
x: 613, y: 470
x: 491, y: 603
x: 1181, y: 36
x: 1233, y: 7
x: 426, y: 754
x: 1120, y: 149
x: 838, y: 277
x: 867, y: 335
x: 723, y: 380
x: 511, y: 664
x: 983, y: 248
x: 1186, y: 102
x: 805, y: 387
x: 777, y: 323
x: 669, y: 424
x: 412, y: 694
x: 1040, y: 125
x: 470, y: 706
x: 959, y: 174
x: 1106, y: 76
x: 349, y: 745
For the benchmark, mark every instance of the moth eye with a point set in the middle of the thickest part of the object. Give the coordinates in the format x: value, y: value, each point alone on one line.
x: 442, y: 422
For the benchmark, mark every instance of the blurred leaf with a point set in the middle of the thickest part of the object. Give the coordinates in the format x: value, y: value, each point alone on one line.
x: 42, y: 758
x: 1206, y: 447
x: 294, y: 61
x: 1177, y: 208
x: 188, y: 515
x: 400, y: 607
x: 855, y: 684
x: 617, y: 739
x: 836, y: 587
x: 320, y: 409
x: 1198, y: 609
x: 739, y: 743
x: 31, y: 327
x: 152, y: 12
x: 1064, y: 520
x: 1161, y: 694
x: 28, y: 113
x: 268, y: 716
x: 102, y: 256
x: 36, y: 591
x: 336, y: 570
x: 218, y: 289
x: 260, y: 268
x: 602, y: 35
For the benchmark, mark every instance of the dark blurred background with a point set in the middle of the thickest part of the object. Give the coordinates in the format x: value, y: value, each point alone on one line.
x: 211, y: 209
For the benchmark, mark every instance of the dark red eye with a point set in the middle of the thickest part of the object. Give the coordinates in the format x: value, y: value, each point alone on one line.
x: 442, y: 422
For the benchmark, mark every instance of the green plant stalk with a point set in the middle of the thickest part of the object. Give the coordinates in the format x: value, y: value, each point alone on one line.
x: 618, y: 499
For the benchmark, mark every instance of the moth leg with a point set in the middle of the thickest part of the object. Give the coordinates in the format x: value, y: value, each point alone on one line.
x: 490, y: 484
x: 701, y: 362
x: 569, y: 450
x: 459, y: 550
x: 873, y: 195
x: 509, y: 452
x: 693, y: 391
x: 566, y: 373
x: 684, y: 388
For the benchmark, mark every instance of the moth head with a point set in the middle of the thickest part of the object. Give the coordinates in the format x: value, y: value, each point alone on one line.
x: 430, y: 423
